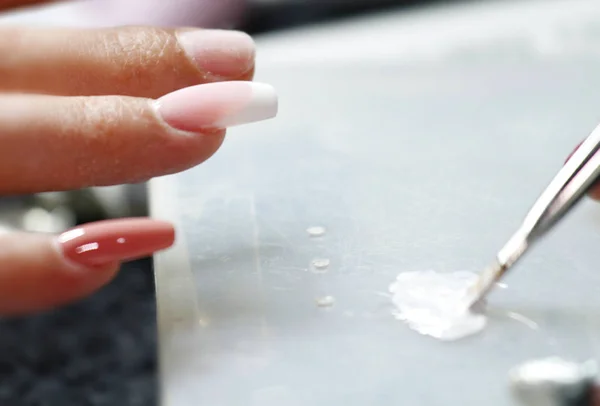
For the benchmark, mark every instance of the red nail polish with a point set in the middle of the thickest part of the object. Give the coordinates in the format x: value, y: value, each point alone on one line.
x: 118, y: 240
x: 572, y: 152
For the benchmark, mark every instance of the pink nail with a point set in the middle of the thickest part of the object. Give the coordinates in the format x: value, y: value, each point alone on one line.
x: 119, y: 240
x: 219, y: 53
x: 217, y: 105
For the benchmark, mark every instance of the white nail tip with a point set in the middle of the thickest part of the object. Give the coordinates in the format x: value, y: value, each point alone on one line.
x: 263, y: 105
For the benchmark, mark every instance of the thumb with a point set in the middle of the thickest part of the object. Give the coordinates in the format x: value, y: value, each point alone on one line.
x: 40, y: 271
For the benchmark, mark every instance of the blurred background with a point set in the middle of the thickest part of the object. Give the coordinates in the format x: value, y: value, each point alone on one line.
x: 102, y: 351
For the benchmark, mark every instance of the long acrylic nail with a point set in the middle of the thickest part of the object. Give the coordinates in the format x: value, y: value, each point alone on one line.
x: 222, y: 54
x: 218, y: 105
x: 119, y: 240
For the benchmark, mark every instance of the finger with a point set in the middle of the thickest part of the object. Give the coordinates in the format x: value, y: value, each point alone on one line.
x: 133, y: 61
x: 595, y: 396
x: 59, y: 143
x: 594, y: 192
x: 40, y: 271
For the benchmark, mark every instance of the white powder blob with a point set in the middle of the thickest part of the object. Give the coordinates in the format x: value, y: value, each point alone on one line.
x: 433, y: 304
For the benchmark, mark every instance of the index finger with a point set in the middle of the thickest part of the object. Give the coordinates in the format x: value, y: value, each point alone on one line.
x: 129, y: 61
x: 59, y: 143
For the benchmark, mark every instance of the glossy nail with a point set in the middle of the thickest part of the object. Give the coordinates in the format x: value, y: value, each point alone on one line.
x: 118, y: 240
x: 218, y: 105
x: 222, y: 54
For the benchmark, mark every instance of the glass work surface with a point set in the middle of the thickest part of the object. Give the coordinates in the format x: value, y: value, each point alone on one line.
x: 429, y: 167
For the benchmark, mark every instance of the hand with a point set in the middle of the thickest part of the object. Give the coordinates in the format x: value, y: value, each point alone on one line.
x: 85, y: 108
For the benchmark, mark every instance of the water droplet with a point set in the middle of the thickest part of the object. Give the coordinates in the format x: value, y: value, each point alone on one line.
x: 320, y: 264
x: 316, y: 231
x: 325, y: 301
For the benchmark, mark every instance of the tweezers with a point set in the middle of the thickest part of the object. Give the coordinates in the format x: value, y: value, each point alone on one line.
x: 568, y: 187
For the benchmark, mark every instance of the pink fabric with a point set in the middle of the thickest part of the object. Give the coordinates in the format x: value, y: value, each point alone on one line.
x: 102, y: 13
x: 205, y: 13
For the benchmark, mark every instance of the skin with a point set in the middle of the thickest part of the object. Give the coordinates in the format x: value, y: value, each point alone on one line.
x: 84, y: 118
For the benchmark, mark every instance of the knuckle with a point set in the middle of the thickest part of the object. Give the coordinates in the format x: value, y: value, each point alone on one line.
x: 105, y: 131
x: 98, y: 116
x: 140, y: 54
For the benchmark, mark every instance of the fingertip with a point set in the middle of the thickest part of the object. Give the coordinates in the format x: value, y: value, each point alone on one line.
x: 191, y: 151
x: 72, y: 283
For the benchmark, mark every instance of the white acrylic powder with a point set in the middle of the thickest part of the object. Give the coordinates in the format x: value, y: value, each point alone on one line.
x: 433, y: 304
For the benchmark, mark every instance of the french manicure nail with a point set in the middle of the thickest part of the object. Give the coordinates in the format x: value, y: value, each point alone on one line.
x: 219, y: 53
x: 118, y: 240
x: 218, y: 105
